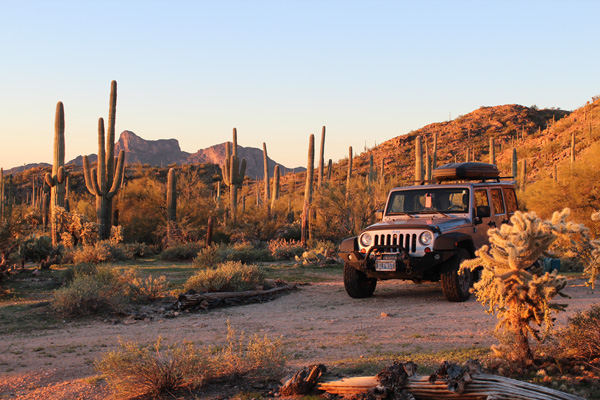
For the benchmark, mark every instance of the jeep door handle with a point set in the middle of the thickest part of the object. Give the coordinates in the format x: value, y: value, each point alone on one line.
x: 492, y: 223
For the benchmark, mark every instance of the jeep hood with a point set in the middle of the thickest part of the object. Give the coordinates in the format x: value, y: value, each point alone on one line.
x: 438, y: 224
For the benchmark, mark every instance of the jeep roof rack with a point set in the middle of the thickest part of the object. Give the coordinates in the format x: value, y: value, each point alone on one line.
x: 470, y: 171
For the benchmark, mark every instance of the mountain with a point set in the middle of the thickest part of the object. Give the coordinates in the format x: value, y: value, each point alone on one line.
x: 164, y: 152
x: 542, y: 138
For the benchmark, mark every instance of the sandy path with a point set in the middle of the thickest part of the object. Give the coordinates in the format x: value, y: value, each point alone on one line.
x: 318, y: 323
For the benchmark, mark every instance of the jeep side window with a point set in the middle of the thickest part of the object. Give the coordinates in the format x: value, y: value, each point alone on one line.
x: 511, y: 200
x: 498, y: 201
x: 481, y: 198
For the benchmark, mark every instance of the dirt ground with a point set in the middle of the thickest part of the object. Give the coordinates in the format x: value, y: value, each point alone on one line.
x: 318, y: 323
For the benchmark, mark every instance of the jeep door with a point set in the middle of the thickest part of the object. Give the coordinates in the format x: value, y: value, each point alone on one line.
x: 480, y: 236
x: 499, y: 210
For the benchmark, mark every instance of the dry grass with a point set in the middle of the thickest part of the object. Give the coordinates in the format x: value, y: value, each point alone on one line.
x: 156, y: 370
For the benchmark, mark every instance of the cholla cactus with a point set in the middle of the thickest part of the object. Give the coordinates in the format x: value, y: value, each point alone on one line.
x: 517, y: 295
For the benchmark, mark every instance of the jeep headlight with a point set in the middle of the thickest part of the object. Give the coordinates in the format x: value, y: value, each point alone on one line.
x: 365, y: 239
x: 426, y: 238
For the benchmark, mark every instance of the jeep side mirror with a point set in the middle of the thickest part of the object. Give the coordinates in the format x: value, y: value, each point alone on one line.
x: 379, y: 215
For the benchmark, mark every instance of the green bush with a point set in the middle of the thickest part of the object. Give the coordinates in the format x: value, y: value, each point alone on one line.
x: 580, y: 338
x: 245, y: 252
x: 136, y: 250
x: 36, y: 248
x: 231, y: 276
x: 135, y: 371
x: 99, y: 289
x: 282, y: 249
x: 90, y: 293
x: 103, y: 251
x: 185, y: 251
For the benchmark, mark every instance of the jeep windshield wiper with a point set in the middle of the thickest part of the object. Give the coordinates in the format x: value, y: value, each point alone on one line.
x: 401, y: 213
x: 432, y: 212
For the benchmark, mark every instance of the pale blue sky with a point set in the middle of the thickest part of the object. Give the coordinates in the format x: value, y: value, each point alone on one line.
x: 280, y: 70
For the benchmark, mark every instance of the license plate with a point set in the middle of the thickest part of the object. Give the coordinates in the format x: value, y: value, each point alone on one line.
x: 385, y: 265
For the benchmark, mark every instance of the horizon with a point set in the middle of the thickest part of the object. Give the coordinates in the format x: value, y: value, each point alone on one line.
x: 280, y: 71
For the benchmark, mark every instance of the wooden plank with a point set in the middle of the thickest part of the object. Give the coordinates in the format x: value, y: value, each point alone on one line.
x: 482, y: 387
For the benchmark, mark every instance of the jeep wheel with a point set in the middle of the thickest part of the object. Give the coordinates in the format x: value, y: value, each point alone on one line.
x: 357, y: 284
x: 454, y: 285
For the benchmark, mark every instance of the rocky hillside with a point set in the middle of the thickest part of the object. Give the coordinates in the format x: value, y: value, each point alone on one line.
x: 541, y: 137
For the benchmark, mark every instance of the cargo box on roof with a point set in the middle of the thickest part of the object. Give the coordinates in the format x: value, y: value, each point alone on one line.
x: 466, y: 171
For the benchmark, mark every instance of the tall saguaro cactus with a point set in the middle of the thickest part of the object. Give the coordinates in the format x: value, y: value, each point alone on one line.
x: 308, y: 191
x: 321, y: 158
x: 172, y: 196
x: 104, y: 183
x: 276, y: 186
x: 418, y: 159
x: 266, y: 173
x: 492, y: 151
x: 233, y: 173
x: 1, y: 194
x: 57, y: 179
x: 514, y: 163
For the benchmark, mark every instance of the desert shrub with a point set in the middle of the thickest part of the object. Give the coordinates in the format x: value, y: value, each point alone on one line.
x: 245, y: 252
x: 136, y: 250
x: 135, y: 371
x: 208, y: 256
x: 36, y: 248
x: 341, y: 215
x: 231, y: 276
x: 96, y: 289
x: 580, y: 338
x: 90, y: 293
x: 282, y: 249
x: 185, y: 251
x: 156, y: 370
x: 103, y: 251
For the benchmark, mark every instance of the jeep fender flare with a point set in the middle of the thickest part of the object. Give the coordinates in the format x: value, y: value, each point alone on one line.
x: 349, y: 245
x: 454, y: 240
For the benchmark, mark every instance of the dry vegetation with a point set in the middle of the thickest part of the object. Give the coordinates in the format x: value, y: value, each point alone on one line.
x: 222, y: 255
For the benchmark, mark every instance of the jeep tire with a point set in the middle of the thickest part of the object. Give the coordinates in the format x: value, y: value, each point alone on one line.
x: 456, y: 287
x: 358, y: 285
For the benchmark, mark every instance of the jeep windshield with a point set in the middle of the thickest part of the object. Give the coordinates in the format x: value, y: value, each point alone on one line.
x: 429, y: 200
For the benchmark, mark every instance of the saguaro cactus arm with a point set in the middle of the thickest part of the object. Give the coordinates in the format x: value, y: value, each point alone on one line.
x: 120, y: 173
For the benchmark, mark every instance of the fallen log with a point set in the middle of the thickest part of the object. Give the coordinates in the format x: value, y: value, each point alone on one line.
x: 481, y: 387
x: 206, y: 300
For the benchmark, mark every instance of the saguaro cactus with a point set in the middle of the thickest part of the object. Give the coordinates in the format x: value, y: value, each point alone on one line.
x: 321, y: 158
x: 308, y: 191
x: 434, y: 155
x: 349, y: 174
x: 418, y: 159
x: 104, y: 183
x: 266, y: 173
x: 57, y: 179
x: 573, y: 148
x: 172, y: 196
x: 514, y: 165
x: 1, y: 194
x: 492, y: 151
x: 276, y: 179
x: 233, y: 173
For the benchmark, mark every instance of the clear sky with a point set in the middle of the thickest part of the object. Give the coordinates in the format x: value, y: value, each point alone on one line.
x: 280, y: 70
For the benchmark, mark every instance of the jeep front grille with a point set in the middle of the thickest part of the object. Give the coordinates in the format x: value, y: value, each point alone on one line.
x: 407, y: 241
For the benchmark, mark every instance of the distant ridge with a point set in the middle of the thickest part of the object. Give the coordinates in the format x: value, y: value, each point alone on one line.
x: 163, y: 152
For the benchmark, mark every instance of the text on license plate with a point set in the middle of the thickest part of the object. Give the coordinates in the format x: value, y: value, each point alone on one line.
x: 385, y: 265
